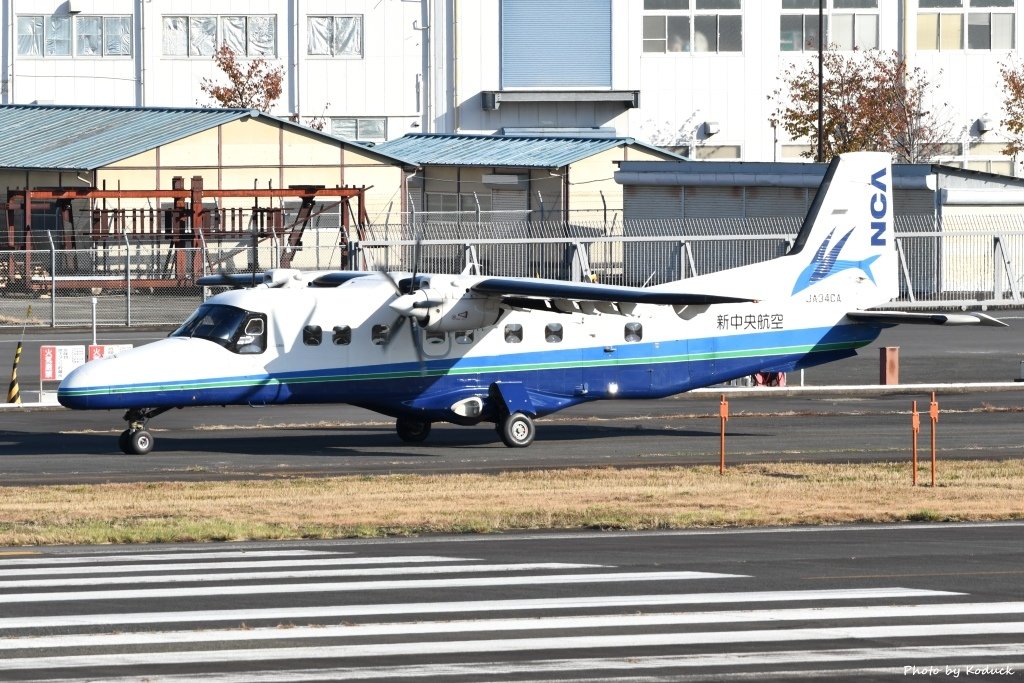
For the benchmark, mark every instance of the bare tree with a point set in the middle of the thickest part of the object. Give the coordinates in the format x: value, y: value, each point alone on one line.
x: 871, y: 100
x: 255, y: 86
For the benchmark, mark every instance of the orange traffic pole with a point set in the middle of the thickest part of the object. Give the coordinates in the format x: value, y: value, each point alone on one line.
x: 933, y: 412
x: 915, y: 428
x: 723, y: 413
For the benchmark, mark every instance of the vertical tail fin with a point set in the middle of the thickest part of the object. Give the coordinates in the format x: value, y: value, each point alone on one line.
x: 846, y: 246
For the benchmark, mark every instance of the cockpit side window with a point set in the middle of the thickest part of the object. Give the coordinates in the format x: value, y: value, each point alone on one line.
x: 253, y: 335
x: 233, y: 328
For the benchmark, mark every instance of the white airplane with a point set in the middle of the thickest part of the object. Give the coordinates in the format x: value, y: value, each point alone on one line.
x: 508, y: 350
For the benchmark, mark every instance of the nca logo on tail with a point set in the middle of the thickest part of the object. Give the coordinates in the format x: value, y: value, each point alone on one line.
x: 879, y: 209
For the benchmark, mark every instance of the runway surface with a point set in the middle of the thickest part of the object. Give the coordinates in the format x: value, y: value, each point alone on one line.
x: 847, y: 603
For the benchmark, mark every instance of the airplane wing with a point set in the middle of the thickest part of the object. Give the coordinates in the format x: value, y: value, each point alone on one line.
x: 528, y: 292
x: 905, y: 318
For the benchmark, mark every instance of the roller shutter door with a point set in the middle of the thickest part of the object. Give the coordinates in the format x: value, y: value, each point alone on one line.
x: 556, y: 43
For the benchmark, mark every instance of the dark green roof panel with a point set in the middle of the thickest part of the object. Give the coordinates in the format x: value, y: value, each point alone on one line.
x: 505, y: 151
x: 84, y: 138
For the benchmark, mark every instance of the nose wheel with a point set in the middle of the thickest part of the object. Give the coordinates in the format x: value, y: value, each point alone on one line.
x: 136, y: 440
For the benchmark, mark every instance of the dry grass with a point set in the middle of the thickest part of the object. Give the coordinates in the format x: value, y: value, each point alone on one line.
x: 749, y: 495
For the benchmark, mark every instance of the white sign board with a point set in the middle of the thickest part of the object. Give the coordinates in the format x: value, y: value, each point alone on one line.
x: 106, y: 350
x: 57, y: 362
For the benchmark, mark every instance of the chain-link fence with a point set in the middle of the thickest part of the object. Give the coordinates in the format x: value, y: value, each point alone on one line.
x: 962, y: 261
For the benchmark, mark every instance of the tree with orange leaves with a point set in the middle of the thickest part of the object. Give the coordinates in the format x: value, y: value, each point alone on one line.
x: 254, y: 86
x: 1013, y: 106
x: 871, y: 100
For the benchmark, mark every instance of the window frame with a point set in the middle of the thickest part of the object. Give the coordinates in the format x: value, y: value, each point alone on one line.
x: 361, y: 23
x: 218, y: 37
x: 810, y: 16
x: 690, y: 16
x: 72, y: 37
x: 356, y: 122
x: 961, y: 15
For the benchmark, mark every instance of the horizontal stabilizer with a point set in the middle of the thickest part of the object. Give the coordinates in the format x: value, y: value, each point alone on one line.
x: 905, y: 318
x: 555, y: 289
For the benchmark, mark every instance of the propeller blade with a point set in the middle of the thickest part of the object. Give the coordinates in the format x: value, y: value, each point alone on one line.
x: 417, y: 343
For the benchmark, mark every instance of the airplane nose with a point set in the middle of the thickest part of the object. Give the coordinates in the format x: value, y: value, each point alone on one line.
x: 81, y: 388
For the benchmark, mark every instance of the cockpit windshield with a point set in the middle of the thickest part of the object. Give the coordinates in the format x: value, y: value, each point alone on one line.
x: 221, y: 324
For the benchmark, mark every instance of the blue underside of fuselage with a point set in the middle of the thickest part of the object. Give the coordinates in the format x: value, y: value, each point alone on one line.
x: 554, y: 379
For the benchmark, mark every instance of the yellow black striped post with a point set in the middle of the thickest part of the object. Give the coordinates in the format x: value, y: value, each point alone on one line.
x: 14, y: 393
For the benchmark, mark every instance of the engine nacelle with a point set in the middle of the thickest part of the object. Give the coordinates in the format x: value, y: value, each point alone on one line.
x: 468, y: 312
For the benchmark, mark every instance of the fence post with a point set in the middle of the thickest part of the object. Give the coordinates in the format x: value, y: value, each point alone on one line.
x: 127, y: 281
x: 723, y: 414
x: 933, y: 412
x: 915, y: 428
x: 53, y: 279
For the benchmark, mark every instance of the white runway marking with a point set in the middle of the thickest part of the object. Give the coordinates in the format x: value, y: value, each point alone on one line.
x: 926, y: 653
x: 164, y: 556
x: 523, y: 624
x: 259, y: 564
x: 355, y: 586
x: 344, y: 611
x: 294, y: 574
x: 462, y: 647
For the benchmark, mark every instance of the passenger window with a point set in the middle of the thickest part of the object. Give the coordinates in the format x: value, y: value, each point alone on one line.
x: 464, y: 337
x: 342, y: 335
x: 553, y: 332
x: 379, y: 334
x: 513, y: 334
x: 634, y: 332
x: 312, y: 335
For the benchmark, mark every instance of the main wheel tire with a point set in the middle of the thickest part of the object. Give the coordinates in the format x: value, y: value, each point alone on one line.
x: 124, y: 442
x: 412, y: 431
x: 517, y: 430
x: 141, y: 442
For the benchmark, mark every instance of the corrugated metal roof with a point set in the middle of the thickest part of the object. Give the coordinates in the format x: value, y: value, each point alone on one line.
x: 65, y: 137
x: 501, y: 150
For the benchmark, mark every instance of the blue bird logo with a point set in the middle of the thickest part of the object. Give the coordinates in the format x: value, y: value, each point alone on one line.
x: 827, y: 263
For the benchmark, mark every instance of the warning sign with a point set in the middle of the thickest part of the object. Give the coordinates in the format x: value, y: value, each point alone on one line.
x: 57, y: 362
x: 106, y: 350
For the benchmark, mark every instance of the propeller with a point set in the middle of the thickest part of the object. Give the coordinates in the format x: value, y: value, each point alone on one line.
x: 407, y: 310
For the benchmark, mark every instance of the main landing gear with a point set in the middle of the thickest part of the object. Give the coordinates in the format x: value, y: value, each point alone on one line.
x: 516, y: 430
x: 136, y: 440
x: 412, y: 431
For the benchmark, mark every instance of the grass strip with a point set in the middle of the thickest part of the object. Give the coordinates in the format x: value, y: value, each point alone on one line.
x: 383, y: 505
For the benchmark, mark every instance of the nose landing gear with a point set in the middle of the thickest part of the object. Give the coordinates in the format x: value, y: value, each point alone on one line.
x: 136, y: 440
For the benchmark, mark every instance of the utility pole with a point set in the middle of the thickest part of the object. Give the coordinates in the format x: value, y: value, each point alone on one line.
x: 821, y: 80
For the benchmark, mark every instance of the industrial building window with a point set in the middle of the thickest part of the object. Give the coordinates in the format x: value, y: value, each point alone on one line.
x: 693, y: 26
x: 940, y: 24
x: 40, y: 36
x: 103, y: 36
x: 339, y: 36
x: 849, y: 25
x: 367, y: 129
x: 198, y: 36
x: 254, y: 36
x: 716, y: 152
